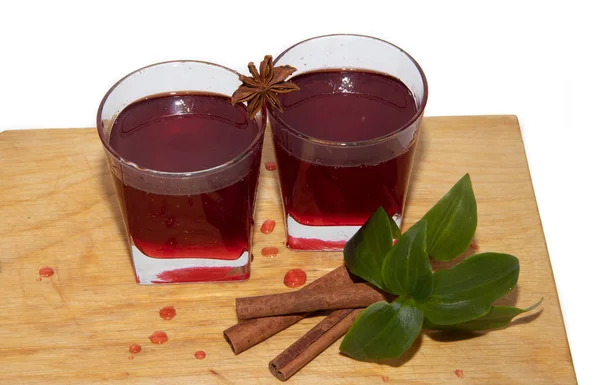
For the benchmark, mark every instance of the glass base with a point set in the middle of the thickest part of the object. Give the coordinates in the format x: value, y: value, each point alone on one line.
x: 321, y: 238
x: 150, y: 270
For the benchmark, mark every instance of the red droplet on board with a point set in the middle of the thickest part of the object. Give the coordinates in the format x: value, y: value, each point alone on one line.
x: 271, y: 166
x: 135, y: 349
x: 38, y: 279
x: 269, y: 251
x: 267, y: 226
x: 200, y: 354
x: 130, y: 358
x: 167, y: 312
x: 158, y: 338
x: 459, y: 373
x: 46, y: 272
x: 294, y: 278
x: 385, y: 378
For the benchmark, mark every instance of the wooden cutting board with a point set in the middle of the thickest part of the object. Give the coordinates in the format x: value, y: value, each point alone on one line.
x: 58, y: 209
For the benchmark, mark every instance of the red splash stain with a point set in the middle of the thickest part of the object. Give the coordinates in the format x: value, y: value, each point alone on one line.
x: 38, y: 279
x: 135, y: 349
x: 130, y: 358
x: 267, y: 226
x: 158, y: 338
x: 271, y: 166
x: 459, y: 373
x: 269, y: 251
x: 294, y: 278
x: 385, y: 378
x: 474, y: 246
x: 167, y: 312
x: 311, y: 244
x: 46, y: 272
x: 200, y: 354
x: 200, y: 274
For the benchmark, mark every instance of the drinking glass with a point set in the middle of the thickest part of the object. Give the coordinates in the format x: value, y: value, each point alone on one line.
x: 330, y: 187
x: 184, y: 225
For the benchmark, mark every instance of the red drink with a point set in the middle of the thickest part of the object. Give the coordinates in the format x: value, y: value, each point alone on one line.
x: 345, y: 145
x: 185, y: 133
x: 362, y: 106
x: 181, y: 133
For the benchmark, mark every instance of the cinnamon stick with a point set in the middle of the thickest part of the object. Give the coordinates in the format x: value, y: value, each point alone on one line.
x: 312, y: 343
x: 245, y: 334
x: 355, y: 295
x: 248, y: 333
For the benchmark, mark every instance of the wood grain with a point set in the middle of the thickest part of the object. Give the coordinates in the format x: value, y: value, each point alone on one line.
x: 58, y: 209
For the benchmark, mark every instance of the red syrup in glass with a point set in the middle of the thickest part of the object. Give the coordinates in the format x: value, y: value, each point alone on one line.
x: 343, y: 106
x: 185, y: 133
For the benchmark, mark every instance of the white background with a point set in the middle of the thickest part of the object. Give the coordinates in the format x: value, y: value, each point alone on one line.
x: 532, y: 59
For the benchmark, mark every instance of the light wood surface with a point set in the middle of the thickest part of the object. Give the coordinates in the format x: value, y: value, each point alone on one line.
x: 58, y: 209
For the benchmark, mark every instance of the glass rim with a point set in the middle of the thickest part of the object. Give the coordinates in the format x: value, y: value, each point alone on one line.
x: 359, y: 143
x: 206, y: 171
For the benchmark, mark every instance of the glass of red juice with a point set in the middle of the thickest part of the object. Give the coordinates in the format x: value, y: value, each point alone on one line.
x: 185, y: 165
x: 345, y: 142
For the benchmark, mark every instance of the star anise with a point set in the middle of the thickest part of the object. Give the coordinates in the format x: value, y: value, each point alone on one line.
x: 264, y: 85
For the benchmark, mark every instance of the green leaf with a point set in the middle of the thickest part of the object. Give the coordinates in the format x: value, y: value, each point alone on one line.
x: 452, y: 221
x: 406, y: 270
x: 468, y: 290
x: 365, y: 251
x: 498, y: 317
x: 394, y: 227
x: 383, y: 330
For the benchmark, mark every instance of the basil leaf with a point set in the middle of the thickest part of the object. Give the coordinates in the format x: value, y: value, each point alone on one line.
x: 468, y: 290
x: 406, y: 270
x: 452, y: 221
x: 498, y: 317
x: 365, y: 251
x: 394, y: 227
x: 383, y: 330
